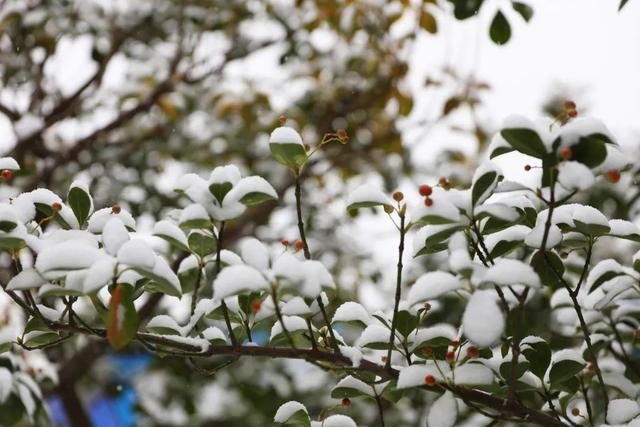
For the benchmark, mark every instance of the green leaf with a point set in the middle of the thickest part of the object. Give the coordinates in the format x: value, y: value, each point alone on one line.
x: 545, y: 267
x: 622, y: 4
x: 11, y: 243
x: 590, y: 150
x: 539, y: 356
x: 527, y: 141
x: 500, y: 30
x: 607, y: 275
x: 504, y: 247
x: 405, y: 322
x: 7, y: 226
x: 591, y: 229
x: 122, y: 319
x: 299, y: 418
x: 481, y: 186
x: 80, y: 203
x: 173, y: 242
x: 158, y: 283
x: 521, y: 368
x: 188, y: 280
x: 201, y: 243
x: 47, y: 211
x: 500, y: 150
x: 360, y: 205
x: 438, y: 241
x: 255, y: 198
x: 220, y: 190
x: 564, y: 370
x: 523, y: 9
x: 291, y: 155
x: 464, y: 9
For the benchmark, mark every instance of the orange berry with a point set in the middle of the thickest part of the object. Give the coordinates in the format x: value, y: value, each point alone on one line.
x: 564, y: 255
x: 569, y: 105
x: 425, y: 190
x: 7, y: 175
x: 613, y: 175
x: 346, y: 402
x: 284, y: 242
x: 256, y: 305
x: 591, y: 367
x: 455, y: 343
x: 115, y: 209
x: 566, y: 153
x: 398, y: 196
x: 428, y: 201
x: 282, y: 120
x: 572, y: 113
x: 430, y: 379
x: 299, y: 245
x: 427, y: 306
x: 56, y: 207
x: 575, y: 412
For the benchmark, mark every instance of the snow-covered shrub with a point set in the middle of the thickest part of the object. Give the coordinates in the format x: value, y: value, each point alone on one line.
x: 467, y: 332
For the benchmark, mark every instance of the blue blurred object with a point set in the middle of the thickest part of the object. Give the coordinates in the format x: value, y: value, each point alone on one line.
x: 106, y: 410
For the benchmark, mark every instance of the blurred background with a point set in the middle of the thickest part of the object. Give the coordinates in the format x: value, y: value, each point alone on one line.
x: 130, y: 94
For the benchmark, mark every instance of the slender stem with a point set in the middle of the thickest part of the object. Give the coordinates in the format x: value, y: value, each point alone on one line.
x: 311, y: 335
x: 307, y: 255
x: 225, y: 310
x: 303, y: 237
x: 586, y: 400
x: 396, y: 306
x: 194, y: 297
x: 380, y: 410
x: 285, y: 331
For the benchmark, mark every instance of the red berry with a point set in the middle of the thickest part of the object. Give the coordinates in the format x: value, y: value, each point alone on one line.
x: 256, y: 305
x: 450, y: 355
x: 566, y: 153
x: 115, y: 209
x: 455, y: 343
x: 613, y: 175
x: 425, y: 190
x: 591, y: 367
x: 569, y: 105
x: 346, y: 402
x: 575, y: 412
x: 430, y: 379
x: 282, y: 120
x: 56, y: 207
x: 284, y: 242
x: 428, y: 202
x: 7, y: 175
x: 343, y: 136
x: 473, y: 352
x: 572, y: 113
x: 299, y: 245
x: 398, y: 196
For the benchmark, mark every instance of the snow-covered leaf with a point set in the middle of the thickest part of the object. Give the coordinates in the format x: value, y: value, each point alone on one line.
x: 292, y: 413
x: 443, y: 412
x: 287, y: 148
x: 236, y: 279
x: 367, y: 196
x: 483, y: 322
x: 432, y: 285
